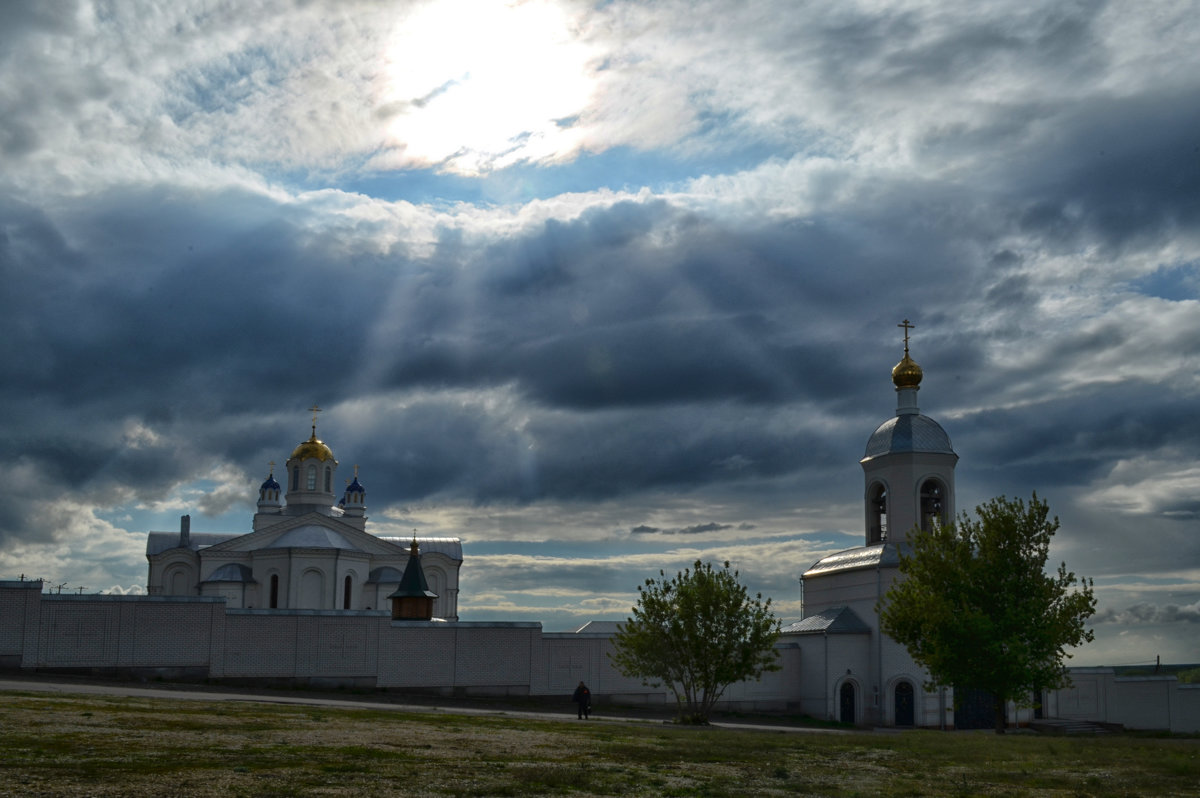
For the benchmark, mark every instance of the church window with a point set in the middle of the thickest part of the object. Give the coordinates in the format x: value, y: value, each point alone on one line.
x: 877, y: 525
x: 295, y: 477
x: 312, y: 478
x: 346, y: 594
x: 274, y: 591
x: 328, y: 479
x: 933, y: 506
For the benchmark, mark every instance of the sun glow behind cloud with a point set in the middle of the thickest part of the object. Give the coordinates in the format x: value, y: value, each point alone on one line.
x: 471, y: 87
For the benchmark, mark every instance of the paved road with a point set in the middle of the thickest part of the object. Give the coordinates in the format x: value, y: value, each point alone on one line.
x: 175, y: 692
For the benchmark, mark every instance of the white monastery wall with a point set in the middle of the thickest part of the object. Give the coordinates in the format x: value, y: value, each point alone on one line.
x: 1187, y: 719
x: 1135, y: 702
x: 114, y: 632
x: 200, y: 635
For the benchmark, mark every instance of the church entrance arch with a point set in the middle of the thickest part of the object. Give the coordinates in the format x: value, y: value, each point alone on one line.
x: 905, y: 714
x: 846, y: 703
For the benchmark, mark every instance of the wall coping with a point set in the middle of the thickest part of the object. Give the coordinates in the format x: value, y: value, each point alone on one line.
x: 284, y: 612
x: 137, y: 597
x: 472, y: 624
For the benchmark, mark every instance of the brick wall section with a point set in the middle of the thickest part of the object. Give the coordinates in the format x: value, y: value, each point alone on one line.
x: 417, y: 654
x: 20, y: 603
x: 493, y: 655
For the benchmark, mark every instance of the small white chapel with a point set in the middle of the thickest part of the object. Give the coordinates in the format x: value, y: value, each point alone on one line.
x: 851, y: 670
x: 307, y: 549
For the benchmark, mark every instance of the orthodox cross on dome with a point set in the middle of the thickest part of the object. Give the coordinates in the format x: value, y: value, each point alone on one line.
x: 905, y: 324
x: 314, y: 410
x: 271, y: 468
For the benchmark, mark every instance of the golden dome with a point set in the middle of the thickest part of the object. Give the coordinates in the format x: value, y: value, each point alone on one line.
x: 907, y: 374
x: 312, y: 449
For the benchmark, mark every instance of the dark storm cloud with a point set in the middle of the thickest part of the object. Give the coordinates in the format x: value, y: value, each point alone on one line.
x: 1144, y: 613
x: 695, y: 529
x: 1122, y: 172
x: 218, y: 302
x: 223, y: 307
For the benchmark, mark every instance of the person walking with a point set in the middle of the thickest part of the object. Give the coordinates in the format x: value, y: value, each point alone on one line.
x: 583, y: 700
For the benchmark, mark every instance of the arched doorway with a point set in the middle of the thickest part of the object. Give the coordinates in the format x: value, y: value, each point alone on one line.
x: 905, y: 700
x: 846, y: 700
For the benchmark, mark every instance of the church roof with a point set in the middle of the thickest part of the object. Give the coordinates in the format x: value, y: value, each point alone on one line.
x: 158, y: 542
x: 384, y: 575
x: 833, y: 621
x: 231, y: 572
x: 879, y: 554
x: 312, y: 536
x: 599, y: 627
x: 910, y: 432
x: 449, y: 547
x: 313, y: 449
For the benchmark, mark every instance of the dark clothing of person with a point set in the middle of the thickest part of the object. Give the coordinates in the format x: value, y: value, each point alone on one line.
x: 583, y: 700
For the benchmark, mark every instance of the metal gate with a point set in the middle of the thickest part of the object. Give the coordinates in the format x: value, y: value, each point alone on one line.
x: 974, y: 709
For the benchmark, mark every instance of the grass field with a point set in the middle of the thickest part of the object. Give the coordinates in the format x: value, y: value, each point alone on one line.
x: 62, y: 745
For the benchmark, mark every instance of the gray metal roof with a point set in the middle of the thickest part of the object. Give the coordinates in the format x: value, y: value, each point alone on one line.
x: 384, y: 575
x: 880, y: 554
x: 231, y: 572
x: 305, y: 537
x: 450, y: 547
x: 908, y: 433
x: 158, y: 542
x: 833, y: 621
x: 599, y: 627
x: 312, y: 536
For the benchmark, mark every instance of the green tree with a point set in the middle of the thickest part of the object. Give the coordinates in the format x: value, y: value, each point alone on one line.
x: 976, y: 608
x: 697, y: 632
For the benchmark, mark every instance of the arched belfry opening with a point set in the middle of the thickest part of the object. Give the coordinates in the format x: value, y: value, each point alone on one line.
x: 933, y: 504
x: 877, y: 510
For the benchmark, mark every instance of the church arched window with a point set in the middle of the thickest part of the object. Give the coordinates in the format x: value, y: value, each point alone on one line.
x: 274, y: 591
x: 328, y: 479
x: 877, y: 514
x: 346, y: 593
x: 295, y: 477
x: 312, y: 477
x: 933, y: 506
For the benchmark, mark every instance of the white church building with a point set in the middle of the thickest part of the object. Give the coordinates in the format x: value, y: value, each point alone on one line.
x: 304, y: 550
x: 851, y: 670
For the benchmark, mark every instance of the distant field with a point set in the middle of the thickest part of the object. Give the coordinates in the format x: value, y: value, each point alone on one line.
x: 56, y: 745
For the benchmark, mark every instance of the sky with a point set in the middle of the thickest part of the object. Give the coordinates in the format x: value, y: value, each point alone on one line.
x: 603, y: 288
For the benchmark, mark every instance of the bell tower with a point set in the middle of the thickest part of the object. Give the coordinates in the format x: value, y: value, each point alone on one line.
x: 908, y: 465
